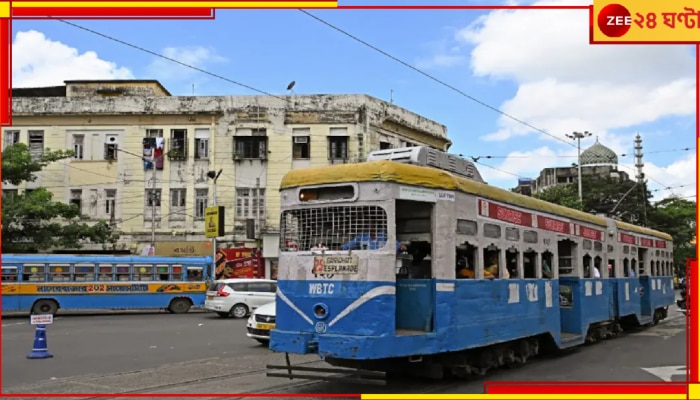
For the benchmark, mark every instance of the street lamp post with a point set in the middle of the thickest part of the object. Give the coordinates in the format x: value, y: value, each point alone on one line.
x: 578, y: 136
x: 214, y: 176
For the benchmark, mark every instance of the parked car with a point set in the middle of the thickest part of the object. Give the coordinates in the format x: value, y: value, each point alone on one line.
x: 238, y: 297
x: 261, y: 322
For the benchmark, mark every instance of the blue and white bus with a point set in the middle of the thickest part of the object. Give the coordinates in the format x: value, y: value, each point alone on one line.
x: 43, y: 283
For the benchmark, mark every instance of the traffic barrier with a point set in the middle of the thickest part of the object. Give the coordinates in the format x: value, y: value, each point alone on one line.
x: 40, y: 349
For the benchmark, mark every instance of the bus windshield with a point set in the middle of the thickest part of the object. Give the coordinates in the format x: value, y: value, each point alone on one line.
x: 333, y: 228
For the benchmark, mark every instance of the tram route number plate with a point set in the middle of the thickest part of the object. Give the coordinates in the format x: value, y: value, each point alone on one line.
x: 41, y: 319
x: 335, y: 265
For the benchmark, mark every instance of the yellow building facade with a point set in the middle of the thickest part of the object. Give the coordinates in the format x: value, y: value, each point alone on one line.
x: 253, y: 140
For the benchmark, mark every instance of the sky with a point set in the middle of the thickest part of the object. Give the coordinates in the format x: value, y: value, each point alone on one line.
x: 519, y: 80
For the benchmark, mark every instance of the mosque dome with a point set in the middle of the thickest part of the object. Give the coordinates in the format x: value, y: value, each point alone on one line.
x: 598, y: 154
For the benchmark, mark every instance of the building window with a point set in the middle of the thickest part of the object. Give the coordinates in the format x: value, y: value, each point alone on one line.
x: 78, y: 146
x: 384, y: 145
x: 111, y: 147
x: 9, y: 192
x: 201, y: 144
x: 154, y: 133
x: 36, y: 144
x: 178, y: 201
x: 153, y: 197
x: 178, y: 144
x: 110, y: 201
x: 248, y: 204
x: 76, y: 198
x: 251, y: 147
x: 301, y: 148
x: 201, y: 199
x: 338, y: 147
x: 9, y: 138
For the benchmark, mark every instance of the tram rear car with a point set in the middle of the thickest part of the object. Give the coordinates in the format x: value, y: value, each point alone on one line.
x: 373, y: 257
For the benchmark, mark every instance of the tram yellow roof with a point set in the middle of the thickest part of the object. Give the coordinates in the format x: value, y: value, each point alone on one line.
x: 389, y: 171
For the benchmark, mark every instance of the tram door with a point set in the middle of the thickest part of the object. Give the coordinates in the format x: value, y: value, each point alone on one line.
x: 414, y: 277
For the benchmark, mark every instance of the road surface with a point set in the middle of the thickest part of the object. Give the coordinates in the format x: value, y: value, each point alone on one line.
x: 202, y: 353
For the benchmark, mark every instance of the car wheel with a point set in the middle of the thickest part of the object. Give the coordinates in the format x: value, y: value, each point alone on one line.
x: 239, y: 311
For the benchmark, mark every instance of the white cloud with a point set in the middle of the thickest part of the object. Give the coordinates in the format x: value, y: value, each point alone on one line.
x: 39, y: 61
x: 196, y: 56
x: 566, y: 84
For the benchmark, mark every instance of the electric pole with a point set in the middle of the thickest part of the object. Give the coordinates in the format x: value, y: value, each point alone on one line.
x: 578, y: 136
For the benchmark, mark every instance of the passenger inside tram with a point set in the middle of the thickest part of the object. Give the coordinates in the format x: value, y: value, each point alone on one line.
x: 491, y: 268
x: 547, y: 265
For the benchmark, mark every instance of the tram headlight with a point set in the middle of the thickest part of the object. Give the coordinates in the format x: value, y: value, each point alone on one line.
x: 320, y: 311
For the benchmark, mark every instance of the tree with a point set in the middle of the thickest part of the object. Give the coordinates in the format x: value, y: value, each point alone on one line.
x: 676, y: 216
x: 564, y: 195
x: 32, y: 222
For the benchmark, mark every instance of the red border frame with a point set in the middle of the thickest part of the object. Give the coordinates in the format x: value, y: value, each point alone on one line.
x: 592, y: 388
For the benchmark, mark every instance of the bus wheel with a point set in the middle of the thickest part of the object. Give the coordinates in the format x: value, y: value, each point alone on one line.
x: 239, y: 311
x: 45, y: 307
x: 179, y: 306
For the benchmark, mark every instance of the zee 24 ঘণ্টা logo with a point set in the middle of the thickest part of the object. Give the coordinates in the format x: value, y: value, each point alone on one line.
x: 615, y: 20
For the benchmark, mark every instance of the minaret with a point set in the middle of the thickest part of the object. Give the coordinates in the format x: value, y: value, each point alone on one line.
x: 638, y: 158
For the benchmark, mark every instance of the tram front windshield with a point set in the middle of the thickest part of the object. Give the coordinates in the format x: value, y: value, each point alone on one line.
x: 334, y: 228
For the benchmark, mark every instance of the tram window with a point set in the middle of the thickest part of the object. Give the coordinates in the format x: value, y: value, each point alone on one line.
x: 597, y: 246
x: 327, y: 193
x: 9, y: 274
x: 530, y: 264
x: 530, y: 236
x: 162, y: 272
x: 143, y: 272
x: 611, y: 248
x: 492, y: 262
x: 625, y: 249
x: 587, y: 244
x: 33, y: 272
x: 657, y: 253
x: 106, y: 272
x: 547, y: 262
x: 513, y: 234
x: 598, y: 265
x: 123, y: 273
x: 492, y: 231
x: 467, y: 227
x: 658, y: 267
x: 587, y: 271
x: 633, y: 250
x: 84, y: 272
x: 634, y: 270
x: 177, y: 272
x: 626, y: 267
x: 59, y: 272
x: 194, y: 273
x: 512, y: 263
x: 465, y: 260
x: 611, y: 269
x: 565, y: 254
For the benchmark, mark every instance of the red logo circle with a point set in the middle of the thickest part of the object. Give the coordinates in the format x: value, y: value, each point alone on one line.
x: 614, y: 20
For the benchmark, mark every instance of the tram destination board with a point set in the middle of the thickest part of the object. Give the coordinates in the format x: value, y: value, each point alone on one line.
x: 347, y: 265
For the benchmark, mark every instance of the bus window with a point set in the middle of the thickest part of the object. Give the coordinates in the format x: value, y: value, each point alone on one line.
x: 106, y: 272
x: 177, y: 272
x: 162, y: 272
x: 84, y: 272
x: 143, y: 272
x: 59, y: 272
x: 9, y: 274
x: 194, y: 273
x: 123, y: 272
x: 33, y: 272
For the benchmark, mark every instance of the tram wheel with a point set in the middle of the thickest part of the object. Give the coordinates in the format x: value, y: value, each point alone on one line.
x: 179, y: 306
x: 45, y: 307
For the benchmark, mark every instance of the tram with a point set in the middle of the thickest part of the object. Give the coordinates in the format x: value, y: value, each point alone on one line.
x: 411, y: 263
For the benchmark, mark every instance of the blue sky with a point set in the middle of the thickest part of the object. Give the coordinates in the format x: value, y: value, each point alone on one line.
x: 536, y: 65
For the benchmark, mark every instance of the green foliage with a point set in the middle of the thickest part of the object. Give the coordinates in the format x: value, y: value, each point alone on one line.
x: 629, y: 202
x: 32, y: 222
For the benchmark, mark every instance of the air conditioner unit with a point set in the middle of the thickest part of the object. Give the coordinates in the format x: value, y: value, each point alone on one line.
x: 301, y: 139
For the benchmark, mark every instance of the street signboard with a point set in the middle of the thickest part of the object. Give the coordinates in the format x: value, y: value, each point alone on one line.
x: 41, y: 319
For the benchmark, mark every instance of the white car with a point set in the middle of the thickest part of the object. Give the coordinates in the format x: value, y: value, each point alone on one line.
x: 238, y: 297
x: 261, y: 322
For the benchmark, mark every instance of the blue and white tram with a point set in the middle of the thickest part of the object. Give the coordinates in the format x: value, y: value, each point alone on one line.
x: 394, y: 267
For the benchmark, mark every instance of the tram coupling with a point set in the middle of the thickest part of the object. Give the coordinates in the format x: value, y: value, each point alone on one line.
x: 334, y: 374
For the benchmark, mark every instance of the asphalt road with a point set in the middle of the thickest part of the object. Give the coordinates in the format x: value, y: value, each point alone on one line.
x: 202, y: 353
